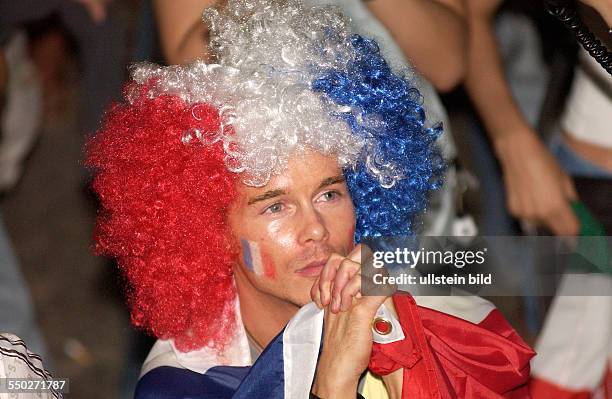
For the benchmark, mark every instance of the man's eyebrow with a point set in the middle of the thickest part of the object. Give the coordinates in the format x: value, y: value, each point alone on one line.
x: 331, y: 180
x: 266, y: 195
x: 276, y: 193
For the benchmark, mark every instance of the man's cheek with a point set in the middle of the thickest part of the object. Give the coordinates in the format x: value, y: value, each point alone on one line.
x: 257, y: 260
x: 269, y: 268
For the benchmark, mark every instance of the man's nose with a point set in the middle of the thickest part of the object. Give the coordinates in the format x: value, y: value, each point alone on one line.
x: 314, y: 228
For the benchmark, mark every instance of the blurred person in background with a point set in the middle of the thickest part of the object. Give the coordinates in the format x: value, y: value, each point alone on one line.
x: 19, y: 90
x: 537, y: 190
x: 539, y: 187
x: 575, y: 346
x: 507, y: 82
x: 36, y: 58
x: 100, y: 40
x: 21, y: 120
x: 22, y: 108
x: 17, y: 315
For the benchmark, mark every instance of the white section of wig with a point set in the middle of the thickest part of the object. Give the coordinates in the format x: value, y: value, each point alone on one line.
x: 284, y: 34
x: 268, y: 52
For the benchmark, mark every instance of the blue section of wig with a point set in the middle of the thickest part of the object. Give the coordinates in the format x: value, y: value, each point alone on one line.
x: 392, y: 118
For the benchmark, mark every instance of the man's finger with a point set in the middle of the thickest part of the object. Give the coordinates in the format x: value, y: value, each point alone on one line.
x: 350, y: 291
x: 315, y: 293
x: 563, y: 222
x: 511, y: 198
x: 355, y: 254
x: 327, y: 276
x: 569, y: 188
x: 346, y: 271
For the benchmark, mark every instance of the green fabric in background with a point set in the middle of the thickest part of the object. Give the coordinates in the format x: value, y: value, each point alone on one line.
x: 593, y: 246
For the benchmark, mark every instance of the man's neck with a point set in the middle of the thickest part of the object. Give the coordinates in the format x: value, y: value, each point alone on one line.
x: 263, y: 315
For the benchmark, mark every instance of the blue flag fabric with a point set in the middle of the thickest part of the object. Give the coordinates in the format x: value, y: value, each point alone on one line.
x: 285, y: 369
x: 265, y: 379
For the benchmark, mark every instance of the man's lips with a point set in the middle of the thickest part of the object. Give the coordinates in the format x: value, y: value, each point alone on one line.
x: 313, y: 269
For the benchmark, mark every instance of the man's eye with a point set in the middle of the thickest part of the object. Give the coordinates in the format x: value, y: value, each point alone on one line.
x: 329, y: 196
x: 275, y: 208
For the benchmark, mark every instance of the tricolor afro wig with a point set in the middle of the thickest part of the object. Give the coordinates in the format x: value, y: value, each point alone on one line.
x: 288, y: 77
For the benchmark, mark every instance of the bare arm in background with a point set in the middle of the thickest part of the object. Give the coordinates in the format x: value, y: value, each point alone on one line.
x: 537, y: 189
x: 432, y: 33
x: 183, y: 36
x: 440, y: 26
x: 603, y: 7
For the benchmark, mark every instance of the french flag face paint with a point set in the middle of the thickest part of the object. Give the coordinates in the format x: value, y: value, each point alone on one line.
x: 255, y: 260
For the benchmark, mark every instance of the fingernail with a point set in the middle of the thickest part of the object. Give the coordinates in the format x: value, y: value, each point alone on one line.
x: 335, y: 305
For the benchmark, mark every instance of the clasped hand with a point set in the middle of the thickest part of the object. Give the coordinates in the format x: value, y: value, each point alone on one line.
x: 347, y: 338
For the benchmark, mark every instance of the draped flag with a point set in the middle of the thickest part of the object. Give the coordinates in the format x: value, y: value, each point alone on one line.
x: 470, y: 353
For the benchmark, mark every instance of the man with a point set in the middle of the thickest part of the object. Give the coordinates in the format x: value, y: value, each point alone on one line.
x: 232, y: 195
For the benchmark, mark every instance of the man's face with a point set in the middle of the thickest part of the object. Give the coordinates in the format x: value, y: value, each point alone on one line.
x: 288, y: 228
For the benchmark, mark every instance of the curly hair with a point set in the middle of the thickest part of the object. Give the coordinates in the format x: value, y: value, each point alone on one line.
x: 163, y: 205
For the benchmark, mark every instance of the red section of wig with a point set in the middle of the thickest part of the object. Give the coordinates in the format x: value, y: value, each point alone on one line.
x: 163, y: 206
